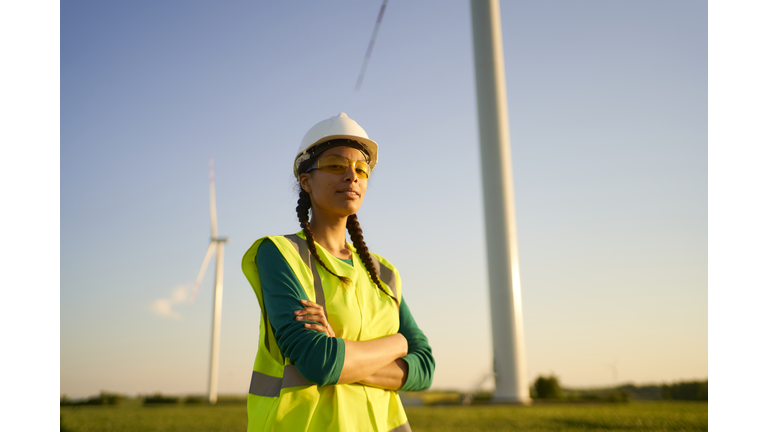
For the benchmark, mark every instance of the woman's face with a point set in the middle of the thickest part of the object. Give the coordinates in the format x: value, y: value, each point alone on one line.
x: 336, y: 194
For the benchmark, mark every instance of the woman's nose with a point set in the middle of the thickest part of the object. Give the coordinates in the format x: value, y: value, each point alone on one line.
x: 351, y: 174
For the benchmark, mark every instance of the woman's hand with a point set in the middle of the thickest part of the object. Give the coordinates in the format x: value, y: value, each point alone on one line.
x: 314, y: 312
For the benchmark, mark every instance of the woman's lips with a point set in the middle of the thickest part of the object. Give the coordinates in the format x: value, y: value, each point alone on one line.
x: 349, y: 193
